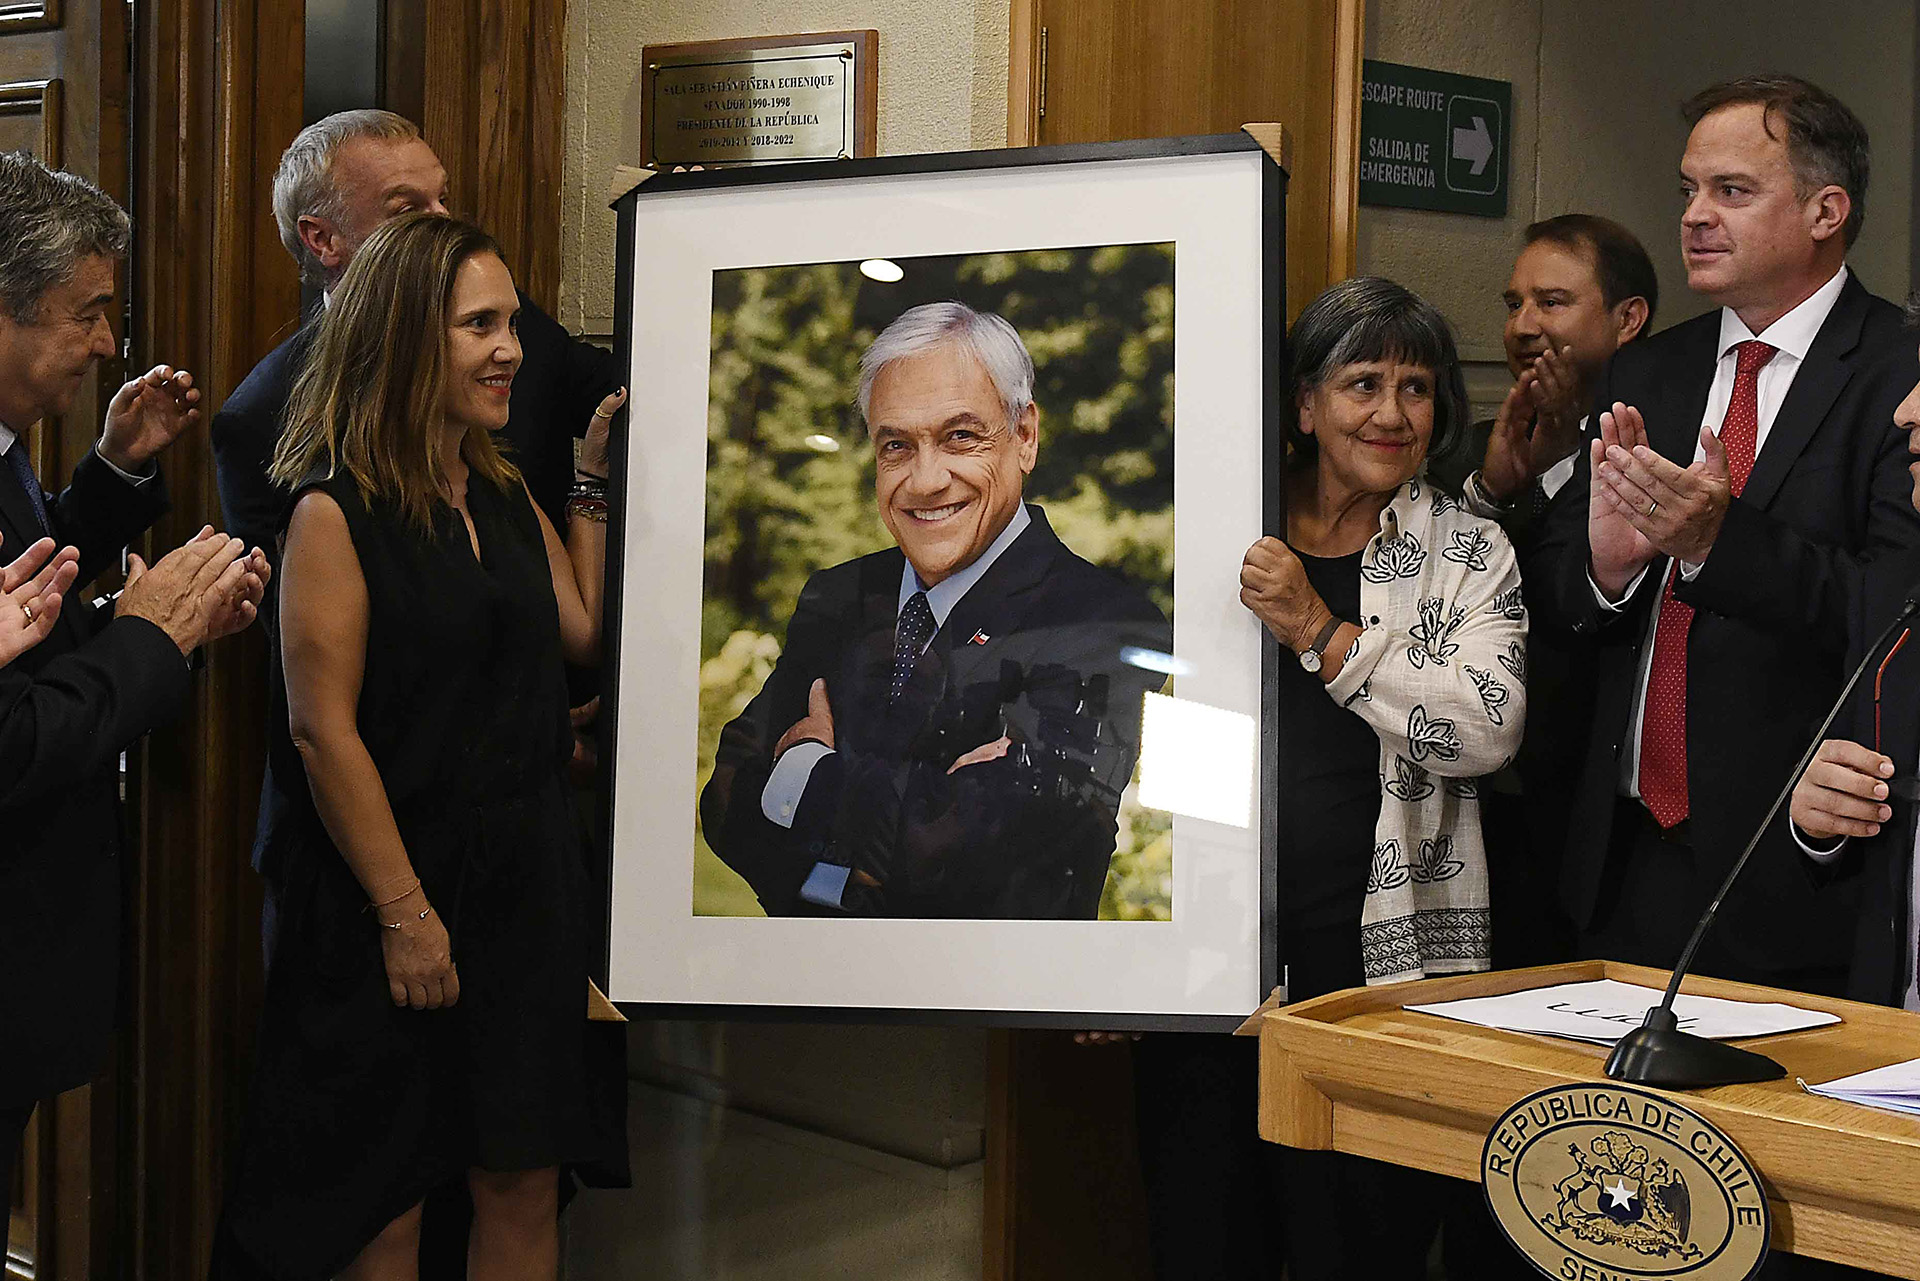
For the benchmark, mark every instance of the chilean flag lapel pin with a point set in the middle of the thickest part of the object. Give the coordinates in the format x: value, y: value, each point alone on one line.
x: 979, y: 638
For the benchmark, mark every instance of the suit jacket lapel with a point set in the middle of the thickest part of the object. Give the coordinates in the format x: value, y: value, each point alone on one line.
x: 17, y: 520
x: 1815, y: 387
x: 19, y: 530
x: 997, y: 603
x: 1676, y: 433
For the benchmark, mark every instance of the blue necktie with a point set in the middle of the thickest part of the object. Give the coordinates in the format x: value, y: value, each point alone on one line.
x: 911, y: 633
x: 23, y: 472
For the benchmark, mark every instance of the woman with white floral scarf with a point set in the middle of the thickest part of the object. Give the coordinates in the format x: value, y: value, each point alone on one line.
x: 1403, y: 611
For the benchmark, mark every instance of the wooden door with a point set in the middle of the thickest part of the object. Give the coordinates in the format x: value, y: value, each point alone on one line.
x: 486, y: 82
x: 63, y: 94
x: 1101, y: 70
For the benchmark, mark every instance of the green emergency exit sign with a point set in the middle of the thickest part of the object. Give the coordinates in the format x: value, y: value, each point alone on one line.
x: 1434, y: 140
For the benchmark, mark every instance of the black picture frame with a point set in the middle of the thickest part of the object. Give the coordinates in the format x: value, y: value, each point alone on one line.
x: 1273, y: 517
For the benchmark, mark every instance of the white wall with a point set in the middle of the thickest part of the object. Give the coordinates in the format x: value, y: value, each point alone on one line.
x: 943, y: 87
x: 1596, y: 94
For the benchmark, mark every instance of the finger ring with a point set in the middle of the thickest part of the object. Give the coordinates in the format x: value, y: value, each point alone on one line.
x: 598, y: 414
x: 1653, y: 507
x: 28, y: 611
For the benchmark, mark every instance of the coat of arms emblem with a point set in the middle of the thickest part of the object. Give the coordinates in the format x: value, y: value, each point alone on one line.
x: 1620, y: 1194
x: 1607, y: 1181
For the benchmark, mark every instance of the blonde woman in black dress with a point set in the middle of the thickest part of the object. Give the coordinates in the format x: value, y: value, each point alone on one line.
x: 426, y: 1005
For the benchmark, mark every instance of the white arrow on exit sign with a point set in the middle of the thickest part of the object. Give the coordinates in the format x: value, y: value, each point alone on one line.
x: 1474, y: 144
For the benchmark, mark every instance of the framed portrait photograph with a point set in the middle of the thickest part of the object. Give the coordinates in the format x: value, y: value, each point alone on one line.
x: 930, y: 691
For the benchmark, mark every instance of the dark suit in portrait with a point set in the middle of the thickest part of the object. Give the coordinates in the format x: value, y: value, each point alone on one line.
x: 1036, y: 650
x: 560, y: 382
x: 1775, y: 604
x: 68, y: 708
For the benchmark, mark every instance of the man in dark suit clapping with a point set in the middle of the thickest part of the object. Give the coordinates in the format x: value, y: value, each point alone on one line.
x: 1745, y: 472
x: 102, y: 676
x: 951, y: 722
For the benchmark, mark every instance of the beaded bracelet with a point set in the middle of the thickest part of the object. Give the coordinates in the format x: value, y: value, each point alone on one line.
x: 588, y: 507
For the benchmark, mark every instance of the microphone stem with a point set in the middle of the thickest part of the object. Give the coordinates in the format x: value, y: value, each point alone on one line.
x: 1907, y: 611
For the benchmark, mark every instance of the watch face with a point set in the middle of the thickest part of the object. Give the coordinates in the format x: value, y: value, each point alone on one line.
x: 1310, y: 660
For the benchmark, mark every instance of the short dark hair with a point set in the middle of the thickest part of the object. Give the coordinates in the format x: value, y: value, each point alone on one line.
x: 1619, y: 259
x: 1372, y: 318
x: 1826, y: 143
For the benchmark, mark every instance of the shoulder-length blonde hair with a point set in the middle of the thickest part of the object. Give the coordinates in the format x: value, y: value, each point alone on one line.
x: 370, y: 398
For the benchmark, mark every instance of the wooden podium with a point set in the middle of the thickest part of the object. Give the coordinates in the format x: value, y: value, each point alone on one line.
x: 1355, y: 1072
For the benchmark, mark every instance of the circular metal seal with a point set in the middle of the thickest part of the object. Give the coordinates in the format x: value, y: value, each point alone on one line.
x: 1608, y: 1183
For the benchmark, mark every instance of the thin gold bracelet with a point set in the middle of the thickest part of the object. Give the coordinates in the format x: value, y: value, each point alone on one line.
x: 373, y: 907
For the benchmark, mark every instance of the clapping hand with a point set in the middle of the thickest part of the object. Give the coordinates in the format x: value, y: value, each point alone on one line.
x: 237, y: 610
x: 1617, y: 548
x: 32, y: 588
x: 204, y: 590
x: 1678, y: 510
x: 148, y: 414
x: 1537, y: 426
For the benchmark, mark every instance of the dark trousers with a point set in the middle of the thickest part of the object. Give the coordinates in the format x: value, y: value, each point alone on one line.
x: 13, y: 1128
x: 1223, y: 1204
x: 1652, y: 899
x: 1646, y: 914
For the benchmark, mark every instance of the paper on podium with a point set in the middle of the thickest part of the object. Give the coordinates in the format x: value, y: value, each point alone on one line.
x: 1604, y: 1010
x: 1895, y: 1087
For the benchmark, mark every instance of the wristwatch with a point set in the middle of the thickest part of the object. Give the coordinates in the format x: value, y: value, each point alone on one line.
x: 1310, y: 656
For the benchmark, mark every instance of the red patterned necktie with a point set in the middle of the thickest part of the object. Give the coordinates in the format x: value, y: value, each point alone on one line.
x: 1663, y: 726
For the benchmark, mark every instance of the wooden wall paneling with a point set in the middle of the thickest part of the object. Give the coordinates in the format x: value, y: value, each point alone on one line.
x: 499, y: 117
x: 546, y: 127
x: 220, y: 89
x: 486, y: 81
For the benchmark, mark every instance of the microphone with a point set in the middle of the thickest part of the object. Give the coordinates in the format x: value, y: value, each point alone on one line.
x: 1657, y: 1052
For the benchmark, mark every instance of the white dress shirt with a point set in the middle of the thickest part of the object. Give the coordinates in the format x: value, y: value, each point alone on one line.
x: 780, y: 799
x: 1790, y: 336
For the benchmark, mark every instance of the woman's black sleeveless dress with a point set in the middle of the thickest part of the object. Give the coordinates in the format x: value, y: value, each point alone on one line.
x: 359, y: 1107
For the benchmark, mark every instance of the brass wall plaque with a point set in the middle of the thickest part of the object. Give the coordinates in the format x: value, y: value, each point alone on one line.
x: 780, y: 98
x: 1607, y: 1183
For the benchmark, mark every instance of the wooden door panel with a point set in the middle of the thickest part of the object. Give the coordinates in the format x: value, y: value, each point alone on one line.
x: 1115, y: 69
x: 63, y: 93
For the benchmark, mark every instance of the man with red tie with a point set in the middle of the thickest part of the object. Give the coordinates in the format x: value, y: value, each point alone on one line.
x: 1745, y: 471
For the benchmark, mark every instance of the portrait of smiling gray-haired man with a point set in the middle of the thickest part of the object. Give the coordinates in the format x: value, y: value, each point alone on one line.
x: 938, y: 541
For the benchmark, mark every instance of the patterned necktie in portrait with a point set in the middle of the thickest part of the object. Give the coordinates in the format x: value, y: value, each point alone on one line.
x: 912, y: 631
x: 1663, y: 727
x: 22, y: 470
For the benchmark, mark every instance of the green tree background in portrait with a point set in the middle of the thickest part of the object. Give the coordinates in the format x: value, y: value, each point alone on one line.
x: 790, y: 472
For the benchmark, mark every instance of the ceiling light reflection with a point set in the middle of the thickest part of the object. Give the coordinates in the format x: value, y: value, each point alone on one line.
x: 882, y: 270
